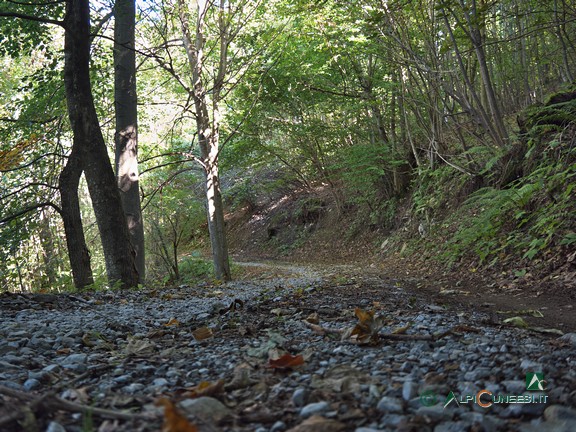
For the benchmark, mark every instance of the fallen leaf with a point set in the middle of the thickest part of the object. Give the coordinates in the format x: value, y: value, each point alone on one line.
x: 363, y: 316
x: 172, y: 322
x: 287, y: 361
x: 236, y: 304
x: 205, y: 388
x: 137, y: 346
x: 313, y: 318
x: 516, y: 322
x: 547, y: 330
x: 319, y: 330
x: 156, y: 333
x: 527, y: 312
x: 174, y: 421
x: 365, y: 332
x: 402, y: 330
x: 202, y: 333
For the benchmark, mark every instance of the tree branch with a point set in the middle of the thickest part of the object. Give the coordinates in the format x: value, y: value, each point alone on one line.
x: 29, y: 209
x: 33, y: 18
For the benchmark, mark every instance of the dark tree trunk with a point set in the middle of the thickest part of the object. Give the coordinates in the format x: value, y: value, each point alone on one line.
x: 78, y: 252
x: 89, y: 143
x: 127, y: 125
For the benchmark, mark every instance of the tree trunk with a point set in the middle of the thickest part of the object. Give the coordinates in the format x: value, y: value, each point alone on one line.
x: 49, y: 258
x: 89, y: 143
x: 478, y: 44
x: 215, y: 208
x: 208, y: 131
x: 126, y: 137
x: 78, y: 252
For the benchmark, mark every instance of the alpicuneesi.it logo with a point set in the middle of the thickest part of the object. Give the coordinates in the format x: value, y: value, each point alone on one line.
x: 485, y: 398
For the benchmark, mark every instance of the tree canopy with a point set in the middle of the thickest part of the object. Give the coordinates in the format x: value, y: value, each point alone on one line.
x: 375, y: 101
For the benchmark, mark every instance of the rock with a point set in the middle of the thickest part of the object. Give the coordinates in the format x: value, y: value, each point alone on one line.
x: 55, y: 427
x: 300, y: 397
x: 514, y: 386
x: 550, y: 426
x: 409, y: 390
x: 569, y: 337
x: 314, y: 409
x: 319, y: 424
x: 74, y: 359
x: 279, y: 426
x: 434, y: 413
x: 121, y: 379
x: 530, y: 366
x: 391, y: 420
x: 559, y: 413
x: 206, y: 408
x: 5, y: 366
x: 133, y: 388
x: 390, y: 404
x: 160, y: 382
x: 31, y: 384
x: 477, y: 374
x: 457, y: 426
x: 481, y: 421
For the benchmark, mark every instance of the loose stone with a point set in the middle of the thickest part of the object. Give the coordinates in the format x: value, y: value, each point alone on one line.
x: 314, y: 408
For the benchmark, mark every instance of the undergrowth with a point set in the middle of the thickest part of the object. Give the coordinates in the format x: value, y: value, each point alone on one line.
x: 529, y: 216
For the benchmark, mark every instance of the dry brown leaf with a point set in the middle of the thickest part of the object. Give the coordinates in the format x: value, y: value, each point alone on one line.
x: 87, y: 340
x: 172, y: 322
x: 316, y: 328
x: 157, y: 333
x: 402, y: 330
x: 365, y: 332
x: 174, y: 421
x: 287, y: 361
x: 363, y: 316
x: 313, y: 318
x: 137, y: 346
x: 202, y: 333
x: 205, y: 388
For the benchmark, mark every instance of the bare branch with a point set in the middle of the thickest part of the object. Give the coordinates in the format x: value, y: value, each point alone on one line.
x: 30, y: 209
x: 32, y: 162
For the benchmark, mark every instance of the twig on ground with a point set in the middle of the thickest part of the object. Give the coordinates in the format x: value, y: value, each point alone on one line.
x: 51, y: 402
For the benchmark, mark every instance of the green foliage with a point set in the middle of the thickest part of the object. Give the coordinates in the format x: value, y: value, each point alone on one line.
x: 176, y: 223
x: 530, y: 216
x: 193, y: 269
x: 432, y: 189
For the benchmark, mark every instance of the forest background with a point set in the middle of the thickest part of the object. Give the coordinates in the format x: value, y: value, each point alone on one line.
x: 443, y: 129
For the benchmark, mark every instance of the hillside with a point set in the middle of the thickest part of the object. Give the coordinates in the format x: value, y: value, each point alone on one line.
x: 504, y: 241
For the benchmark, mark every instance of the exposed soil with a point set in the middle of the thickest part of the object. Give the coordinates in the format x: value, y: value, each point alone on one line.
x: 548, y: 288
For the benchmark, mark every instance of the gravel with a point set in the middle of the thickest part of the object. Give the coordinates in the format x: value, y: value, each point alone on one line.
x: 123, y: 350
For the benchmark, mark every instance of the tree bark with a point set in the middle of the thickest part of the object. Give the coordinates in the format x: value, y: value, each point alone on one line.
x: 89, y: 142
x: 208, y: 129
x: 78, y: 252
x: 126, y: 137
x: 477, y: 42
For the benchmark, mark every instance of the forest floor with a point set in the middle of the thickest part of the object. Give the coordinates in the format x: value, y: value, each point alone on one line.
x: 542, y: 295
x: 298, y: 348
